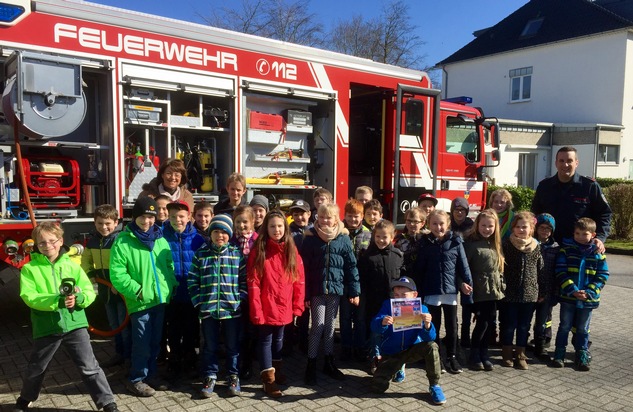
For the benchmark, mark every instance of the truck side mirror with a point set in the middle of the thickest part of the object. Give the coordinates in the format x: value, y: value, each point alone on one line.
x: 496, y: 155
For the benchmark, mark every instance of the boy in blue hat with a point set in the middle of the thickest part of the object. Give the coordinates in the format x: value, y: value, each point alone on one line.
x: 408, y: 346
x: 217, y: 286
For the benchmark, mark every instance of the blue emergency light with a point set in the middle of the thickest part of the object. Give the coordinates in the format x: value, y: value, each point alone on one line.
x: 10, y: 12
x: 460, y: 100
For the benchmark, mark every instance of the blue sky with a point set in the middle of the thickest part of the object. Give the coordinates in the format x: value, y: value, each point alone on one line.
x: 445, y: 25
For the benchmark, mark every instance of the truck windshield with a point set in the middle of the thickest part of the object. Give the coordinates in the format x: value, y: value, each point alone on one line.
x: 462, y: 138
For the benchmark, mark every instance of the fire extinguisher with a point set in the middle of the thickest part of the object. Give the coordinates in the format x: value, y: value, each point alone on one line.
x: 138, y: 159
x: 133, y: 161
x: 154, y: 157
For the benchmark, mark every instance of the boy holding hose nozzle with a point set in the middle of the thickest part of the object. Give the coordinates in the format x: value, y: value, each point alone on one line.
x: 57, y: 290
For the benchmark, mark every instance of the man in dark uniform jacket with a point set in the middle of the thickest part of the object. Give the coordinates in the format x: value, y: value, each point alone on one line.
x: 568, y: 196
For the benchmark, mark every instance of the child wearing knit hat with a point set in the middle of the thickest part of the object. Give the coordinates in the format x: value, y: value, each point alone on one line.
x: 545, y: 226
x: 259, y: 203
x: 217, y: 286
x: 142, y: 271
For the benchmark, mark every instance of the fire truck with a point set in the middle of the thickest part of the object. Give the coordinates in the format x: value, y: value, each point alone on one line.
x: 95, y: 97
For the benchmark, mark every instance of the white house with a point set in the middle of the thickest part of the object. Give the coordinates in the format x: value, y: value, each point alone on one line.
x: 556, y: 73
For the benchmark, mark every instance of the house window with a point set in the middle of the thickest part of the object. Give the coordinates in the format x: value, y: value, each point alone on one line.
x: 520, y: 84
x: 526, y: 175
x: 608, y: 153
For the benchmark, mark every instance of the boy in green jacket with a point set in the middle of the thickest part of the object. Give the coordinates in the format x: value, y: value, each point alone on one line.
x: 142, y: 270
x: 57, y: 290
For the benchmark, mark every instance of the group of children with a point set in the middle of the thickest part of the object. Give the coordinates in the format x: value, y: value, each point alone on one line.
x: 245, y: 277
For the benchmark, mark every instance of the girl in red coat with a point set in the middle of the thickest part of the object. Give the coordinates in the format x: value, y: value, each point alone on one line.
x: 276, y: 291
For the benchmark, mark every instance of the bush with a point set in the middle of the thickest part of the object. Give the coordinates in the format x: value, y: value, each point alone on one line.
x: 606, y: 182
x: 620, y: 197
x: 521, y: 196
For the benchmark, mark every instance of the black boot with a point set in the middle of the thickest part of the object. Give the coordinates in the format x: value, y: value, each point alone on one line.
x: 539, y: 350
x: 311, y: 372
x: 331, y: 370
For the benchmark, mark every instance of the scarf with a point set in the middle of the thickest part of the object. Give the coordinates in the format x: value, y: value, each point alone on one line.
x: 146, y: 238
x: 173, y: 196
x: 243, y: 241
x: 524, y: 245
x: 587, y: 249
x: 505, y: 220
x: 328, y: 233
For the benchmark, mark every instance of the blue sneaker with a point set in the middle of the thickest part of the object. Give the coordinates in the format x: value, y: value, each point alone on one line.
x: 208, y: 384
x: 399, y: 377
x: 437, y: 395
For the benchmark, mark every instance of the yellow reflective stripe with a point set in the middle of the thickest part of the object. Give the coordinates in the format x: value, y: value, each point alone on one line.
x: 567, y: 283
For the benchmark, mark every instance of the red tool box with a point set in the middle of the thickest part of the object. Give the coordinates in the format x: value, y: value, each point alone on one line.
x: 265, y: 121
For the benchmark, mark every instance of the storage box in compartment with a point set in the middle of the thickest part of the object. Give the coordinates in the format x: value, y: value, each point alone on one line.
x: 265, y: 121
x: 298, y: 117
x: 135, y: 113
x: 264, y: 136
x: 187, y: 121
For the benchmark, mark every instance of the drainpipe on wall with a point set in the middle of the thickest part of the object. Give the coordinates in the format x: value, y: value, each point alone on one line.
x: 595, y: 153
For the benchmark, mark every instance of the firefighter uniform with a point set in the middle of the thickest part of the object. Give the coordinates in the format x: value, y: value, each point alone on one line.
x: 568, y: 202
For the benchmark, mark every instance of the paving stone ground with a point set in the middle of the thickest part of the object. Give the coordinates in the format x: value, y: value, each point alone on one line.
x: 608, y: 386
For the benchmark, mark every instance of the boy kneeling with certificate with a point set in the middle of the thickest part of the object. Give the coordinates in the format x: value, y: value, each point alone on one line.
x: 404, y: 341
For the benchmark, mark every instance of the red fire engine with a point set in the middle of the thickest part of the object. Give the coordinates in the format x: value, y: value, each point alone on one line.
x: 95, y: 96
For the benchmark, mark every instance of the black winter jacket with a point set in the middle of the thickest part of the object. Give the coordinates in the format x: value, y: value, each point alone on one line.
x: 377, y: 268
x: 330, y: 268
x: 441, y: 266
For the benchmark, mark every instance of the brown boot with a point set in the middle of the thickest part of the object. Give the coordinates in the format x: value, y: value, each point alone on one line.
x: 270, y: 387
x: 520, y: 362
x: 506, y: 356
x: 280, y: 378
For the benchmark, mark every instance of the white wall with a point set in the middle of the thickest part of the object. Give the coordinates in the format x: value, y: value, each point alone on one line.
x: 582, y: 81
x: 507, y: 174
x: 626, y: 150
x: 576, y: 81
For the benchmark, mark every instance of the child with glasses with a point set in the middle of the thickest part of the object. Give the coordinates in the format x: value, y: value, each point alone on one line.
x: 58, y: 291
x: 408, y: 241
x: 461, y: 225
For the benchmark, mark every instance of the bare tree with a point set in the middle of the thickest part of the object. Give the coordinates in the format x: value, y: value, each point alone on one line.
x: 246, y: 19
x: 277, y: 19
x: 389, y: 38
x: 356, y: 37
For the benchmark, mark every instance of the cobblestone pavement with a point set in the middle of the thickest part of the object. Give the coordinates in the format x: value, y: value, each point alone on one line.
x: 608, y: 386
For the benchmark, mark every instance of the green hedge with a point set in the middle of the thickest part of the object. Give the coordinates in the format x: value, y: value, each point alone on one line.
x: 620, y: 199
x: 619, y: 194
x: 521, y: 196
x: 606, y: 182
